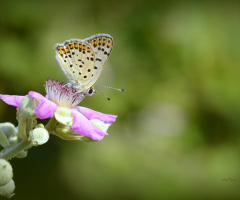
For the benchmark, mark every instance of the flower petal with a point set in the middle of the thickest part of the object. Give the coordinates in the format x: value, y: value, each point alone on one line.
x: 98, y: 123
x: 63, y: 115
x: 46, y: 108
x: 36, y: 95
x: 13, y: 100
x: 92, y: 114
x: 83, y: 126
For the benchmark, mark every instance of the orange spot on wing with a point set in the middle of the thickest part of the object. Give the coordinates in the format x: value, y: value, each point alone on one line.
x: 61, y: 51
x: 67, y: 50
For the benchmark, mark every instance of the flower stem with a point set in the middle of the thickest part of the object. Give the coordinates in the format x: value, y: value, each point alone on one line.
x: 51, y: 124
x: 14, y: 150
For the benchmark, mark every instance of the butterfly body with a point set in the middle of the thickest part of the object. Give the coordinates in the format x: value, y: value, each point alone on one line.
x: 82, y: 61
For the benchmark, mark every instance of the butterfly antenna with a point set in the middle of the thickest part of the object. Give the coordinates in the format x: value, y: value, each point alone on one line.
x: 103, y: 94
x: 121, y: 90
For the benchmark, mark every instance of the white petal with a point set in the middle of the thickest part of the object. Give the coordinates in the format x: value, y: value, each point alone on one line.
x: 100, y: 124
x: 63, y: 115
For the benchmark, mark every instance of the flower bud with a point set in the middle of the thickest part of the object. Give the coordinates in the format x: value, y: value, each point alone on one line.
x: 7, y: 190
x: 8, y: 129
x: 39, y: 126
x: 6, y: 172
x: 39, y: 136
x: 3, y: 140
x: 22, y: 154
x: 10, y: 133
x: 28, y: 106
x: 13, y: 140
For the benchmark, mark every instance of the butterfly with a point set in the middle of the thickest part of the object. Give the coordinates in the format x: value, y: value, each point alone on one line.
x: 83, y: 60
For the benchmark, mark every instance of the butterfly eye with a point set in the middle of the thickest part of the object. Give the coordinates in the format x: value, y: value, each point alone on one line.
x: 91, y: 91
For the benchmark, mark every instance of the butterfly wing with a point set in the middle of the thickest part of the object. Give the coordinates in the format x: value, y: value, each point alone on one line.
x: 76, y: 59
x: 82, y: 61
x: 102, y: 45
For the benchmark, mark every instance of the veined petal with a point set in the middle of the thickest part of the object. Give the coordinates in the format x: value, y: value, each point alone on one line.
x: 92, y: 114
x: 63, y: 115
x: 46, y: 108
x: 83, y: 126
x: 13, y: 100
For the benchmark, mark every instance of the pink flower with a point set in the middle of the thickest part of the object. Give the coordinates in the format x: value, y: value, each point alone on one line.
x: 60, y: 103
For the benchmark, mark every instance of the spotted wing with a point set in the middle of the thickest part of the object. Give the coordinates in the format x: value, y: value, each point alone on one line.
x: 102, y: 45
x: 77, y: 60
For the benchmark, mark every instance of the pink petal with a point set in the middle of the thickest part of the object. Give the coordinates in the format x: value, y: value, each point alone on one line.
x: 83, y: 126
x: 36, y: 95
x: 46, y: 108
x: 92, y: 114
x: 13, y: 100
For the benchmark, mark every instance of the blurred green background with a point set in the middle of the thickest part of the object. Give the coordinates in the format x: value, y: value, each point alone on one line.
x: 178, y: 132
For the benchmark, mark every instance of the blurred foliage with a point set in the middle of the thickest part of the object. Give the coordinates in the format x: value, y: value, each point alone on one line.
x: 178, y: 131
